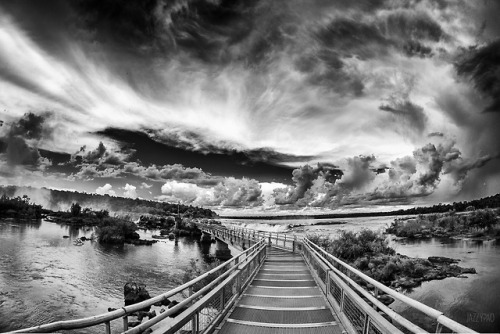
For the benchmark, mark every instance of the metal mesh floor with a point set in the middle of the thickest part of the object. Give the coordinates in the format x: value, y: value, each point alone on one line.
x: 266, y: 291
x: 282, y: 317
x: 292, y: 284
x: 231, y: 328
x: 282, y: 298
x: 282, y: 302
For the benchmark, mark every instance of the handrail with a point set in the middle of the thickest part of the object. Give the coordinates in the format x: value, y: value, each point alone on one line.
x: 199, y: 305
x: 276, y: 239
x: 105, y: 318
x: 431, y: 312
x: 390, y: 312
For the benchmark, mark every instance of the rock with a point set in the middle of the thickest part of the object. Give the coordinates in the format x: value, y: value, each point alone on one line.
x: 139, y: 242
x: 135, y: 293
x: 386, y: 299
x: 468, y: 270
x: 133, y: 323
x: 442, y: 259
x: 172, y: 304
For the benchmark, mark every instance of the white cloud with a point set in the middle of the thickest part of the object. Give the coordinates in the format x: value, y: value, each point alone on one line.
x: 106, y: 189
x: 130, y: 191
x: 144, y: 185
x: 184, y: 192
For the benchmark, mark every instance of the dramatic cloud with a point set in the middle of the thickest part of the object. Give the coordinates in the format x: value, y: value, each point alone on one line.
x: 20, y: 143
x: 230, y: 192
x: 251, y: 103
x: 482, y: 65
x: 106, y: 190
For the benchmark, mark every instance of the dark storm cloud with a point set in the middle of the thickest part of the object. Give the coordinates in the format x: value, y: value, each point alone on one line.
x: 213, y: 32
x: 409, y: 112
x: 21, y: 141
x: 30, y: 126
x: 482, y: 66
x: 411, y: 33
x: 223, y: 162
x: 99, y: 156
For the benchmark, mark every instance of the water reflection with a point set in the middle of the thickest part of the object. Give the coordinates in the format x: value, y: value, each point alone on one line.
x: 44, y: 277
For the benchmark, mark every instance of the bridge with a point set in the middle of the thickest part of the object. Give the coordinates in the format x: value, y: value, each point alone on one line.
x: 278, y: 284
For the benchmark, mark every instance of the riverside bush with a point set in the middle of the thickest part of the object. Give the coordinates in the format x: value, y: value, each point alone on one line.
x: 116, y: 230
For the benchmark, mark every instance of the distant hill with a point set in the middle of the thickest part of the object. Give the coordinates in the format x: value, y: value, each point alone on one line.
x: 61, y: 200
x: 482, y: 203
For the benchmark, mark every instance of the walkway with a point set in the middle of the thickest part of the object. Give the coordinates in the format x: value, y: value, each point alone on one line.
x: 283, y: 298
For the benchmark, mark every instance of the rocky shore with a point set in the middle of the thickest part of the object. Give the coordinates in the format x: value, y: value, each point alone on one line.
x: 369, y: 252
x: 477, y: 225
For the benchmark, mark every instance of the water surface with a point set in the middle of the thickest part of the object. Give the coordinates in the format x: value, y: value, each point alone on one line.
x: 45, y: 278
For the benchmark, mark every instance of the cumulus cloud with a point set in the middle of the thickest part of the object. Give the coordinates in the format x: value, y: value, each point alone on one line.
x: 230, y: 192
x: 360, y: 183
x: 106, y: 190
x: 130, y: 191
x: 184, y: 192
x: 144, y: 185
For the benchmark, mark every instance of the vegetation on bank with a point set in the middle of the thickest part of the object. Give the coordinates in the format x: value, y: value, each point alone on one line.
x: 60, y: 198
x: 19, y: 208
x: 112, y: 230
x: 475, y: 224
x: 370, y: 253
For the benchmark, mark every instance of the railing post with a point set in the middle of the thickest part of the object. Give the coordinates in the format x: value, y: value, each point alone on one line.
x: 194, y: 323
x: 366, y: 324
x: 222, y: 298
x: 342, y: 296
x: 108, y: 327
x: 125, y: 322
x: 439, y: 328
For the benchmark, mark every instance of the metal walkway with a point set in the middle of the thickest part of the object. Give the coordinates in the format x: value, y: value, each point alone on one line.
x: 282, y: 298
x: 278, y: 284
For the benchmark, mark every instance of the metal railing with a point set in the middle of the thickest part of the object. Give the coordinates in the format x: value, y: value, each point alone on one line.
x: 205, y: 308
x: 236, y: 234
x: 359, y: 308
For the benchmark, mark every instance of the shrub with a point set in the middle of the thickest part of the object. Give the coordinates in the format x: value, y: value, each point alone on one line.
x: 115, y: 230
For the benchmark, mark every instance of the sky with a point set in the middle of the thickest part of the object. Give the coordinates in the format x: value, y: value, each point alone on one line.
x: 259, y: 106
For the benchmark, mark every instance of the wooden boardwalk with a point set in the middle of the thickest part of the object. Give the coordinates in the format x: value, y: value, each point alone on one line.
x: 282, y: 298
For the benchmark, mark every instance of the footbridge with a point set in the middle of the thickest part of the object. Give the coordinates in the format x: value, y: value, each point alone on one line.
x: 278, y: 284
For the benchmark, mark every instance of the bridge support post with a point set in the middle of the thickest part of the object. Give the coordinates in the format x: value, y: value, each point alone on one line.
x: 222, y: 252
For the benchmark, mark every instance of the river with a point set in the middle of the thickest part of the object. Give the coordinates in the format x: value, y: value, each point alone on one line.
x: 45, y: 278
